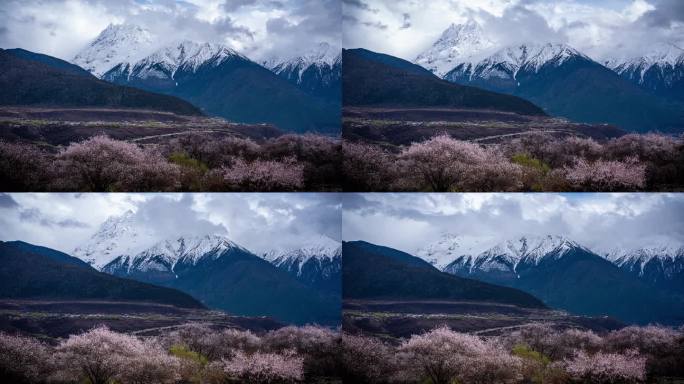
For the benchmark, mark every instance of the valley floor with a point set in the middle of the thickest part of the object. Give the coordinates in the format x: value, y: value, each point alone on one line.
x: 100, y: 149
x: 62, y: 126
x: 402, y: 126
x: 467, y: 150
x: 57, y: 319
x: 399, y: 319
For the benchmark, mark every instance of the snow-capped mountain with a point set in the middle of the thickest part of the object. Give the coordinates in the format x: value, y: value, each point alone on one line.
x: 115, y: 237
x: 565, y: 275
x: 662, y: 266
x: 165, y: 259
x: 118, y: 43
x: 505, y: 258
x: 126, y: 50
x: 556, y: 77
x: 317, y: 71
x: 458, y: 44
x: 224, y: 275
x: 659, y: 70
x: 449, y: 248
x: 506, y: 64
x: 218, y: 80
x: 317, y: 262
x: 321, y: 56
x: 160, y: 69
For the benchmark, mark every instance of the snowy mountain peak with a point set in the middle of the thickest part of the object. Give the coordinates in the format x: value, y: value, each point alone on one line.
x: 656, y: 263
x: 186, y: 249
x: 506, y: 63
x: 320, y: 247
x: 620, y: 256
x: 450, y: 247
x: 186, y: 55
x: 458, y: 43
x: 532, y: 248
x: 118, y: 43
x: 506, y: 255
x: 319, y: 252
x: 662, y: 59
x: 535, y: 55
x: 321, y: 57
x: 663, y: 53
x: 321, y: 53
x: 116, y: 236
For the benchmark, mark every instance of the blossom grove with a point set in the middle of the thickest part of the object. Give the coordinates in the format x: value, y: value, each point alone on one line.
x: 199, y: 353
x: 535, y: 162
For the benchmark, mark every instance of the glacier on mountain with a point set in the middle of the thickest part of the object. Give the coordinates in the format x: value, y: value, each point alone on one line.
x: 165, y: 255
x: 320, y: 248
x: 116, y: 44
x: 115, y: 237
x: 321, y: 56
x: 459, y: 43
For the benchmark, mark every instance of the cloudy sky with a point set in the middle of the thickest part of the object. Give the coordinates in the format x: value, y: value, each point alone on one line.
x: 259, y: 29
x: 599, y: 221
x: 256, y: 221
x: 599, y: 28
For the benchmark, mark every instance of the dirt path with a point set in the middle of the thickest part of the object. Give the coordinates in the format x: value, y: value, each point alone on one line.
x: 520, y: 134
x: 177, y: 134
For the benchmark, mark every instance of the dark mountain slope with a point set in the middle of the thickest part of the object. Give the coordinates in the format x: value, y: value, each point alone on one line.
x: 585, y: 91
x: 320, y: 80
x: 370, y: 79
x: 390, y: 61
x: 31, y: 82
x: 31, y: 275
x: 50, y: 61
x: 242, y: 283
x: 322, y: 274
x: 583, y: 283
x: 242, y: 91
x: 374, y: 272
x: 55, y: 255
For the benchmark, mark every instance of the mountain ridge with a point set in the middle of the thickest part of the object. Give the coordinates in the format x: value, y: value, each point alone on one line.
x: 376, y: 272
x: 557, y: 77
x: 569, y: 276
x: 35, y: 79
x: 370, y: 78
x: 26, y: 271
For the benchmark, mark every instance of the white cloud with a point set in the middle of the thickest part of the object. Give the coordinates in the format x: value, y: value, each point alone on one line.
x: 597, y: 220
x: 598, y: 28
x: 257, y: 221
x: 62, y: 28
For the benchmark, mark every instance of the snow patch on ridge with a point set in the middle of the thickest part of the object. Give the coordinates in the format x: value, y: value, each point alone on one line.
x: 459, y: 43
x: 319, y: 247
x: 116, y: 44
x: 322, y: 56
x: 115, y: 237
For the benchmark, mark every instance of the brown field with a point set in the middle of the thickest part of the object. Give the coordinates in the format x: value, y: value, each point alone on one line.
x: 402, y: 126
x: 396, y: 319
x: 61, y: 126
x: 55, y: 319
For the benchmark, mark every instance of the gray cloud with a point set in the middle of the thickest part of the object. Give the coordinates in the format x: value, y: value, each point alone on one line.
x: 600, y: 221
x: 359, y: 4
x: 316, y: 21
x: 407, y: 21
x: 257, y: 28
x: 257, y: 221
x: 33, y: 215
x: 519, y: 24
x: 601, y: 29
x: 234, y: 5
x: 6, y: 201
x: 667, y: 13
